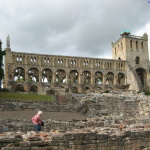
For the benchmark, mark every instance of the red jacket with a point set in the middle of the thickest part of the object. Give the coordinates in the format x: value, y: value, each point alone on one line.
x: 37, y: 119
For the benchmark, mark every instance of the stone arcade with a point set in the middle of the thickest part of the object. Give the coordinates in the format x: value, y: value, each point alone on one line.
x: 128, y: 70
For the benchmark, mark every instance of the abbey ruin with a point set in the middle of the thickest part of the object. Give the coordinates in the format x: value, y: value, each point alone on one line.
x: 118, y: 120
x: 127, y: 70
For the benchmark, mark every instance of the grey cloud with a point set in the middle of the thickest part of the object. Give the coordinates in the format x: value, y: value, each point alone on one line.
x: 70, y: 27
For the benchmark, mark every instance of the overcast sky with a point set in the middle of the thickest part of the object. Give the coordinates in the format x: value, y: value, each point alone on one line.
x: 71, y: 27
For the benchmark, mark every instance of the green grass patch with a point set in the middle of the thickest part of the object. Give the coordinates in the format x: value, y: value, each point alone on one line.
x: 147, y: 93
x: 20, y: 96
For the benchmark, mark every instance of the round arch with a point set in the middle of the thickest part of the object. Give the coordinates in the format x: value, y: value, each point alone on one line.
x: 33, y: 75
x: 98, y: 77
x: 74, y: 89
x: 33, y: 88
x: 73, y: 76
x: 60, y: 76
x: 86, y: 89
x: 19, y: 74
x: 109, y: 78
x: 47, y: 75
x: 19, y: 88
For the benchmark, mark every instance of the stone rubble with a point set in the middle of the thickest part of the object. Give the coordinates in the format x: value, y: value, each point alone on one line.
x: 116, y: 122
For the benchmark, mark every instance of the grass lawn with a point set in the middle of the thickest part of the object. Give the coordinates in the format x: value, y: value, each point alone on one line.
x: 18, y: 96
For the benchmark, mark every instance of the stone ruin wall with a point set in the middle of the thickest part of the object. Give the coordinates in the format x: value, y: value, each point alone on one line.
x: 115, y: 122
x: 40, y: 73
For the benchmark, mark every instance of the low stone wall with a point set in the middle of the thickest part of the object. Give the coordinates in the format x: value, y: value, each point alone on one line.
x: 77, y: 140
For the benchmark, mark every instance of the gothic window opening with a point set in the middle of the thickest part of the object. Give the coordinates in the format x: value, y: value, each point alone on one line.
x: 98, y: 78
x: 121, y: 46
x: 137, y: 60
x: 130, y: 43
x: 73, y: 76
x: 33, y: 75
x: 142, y: 76
x: 142, y: 44
x: 17, y: 58
x: 136, y: 45
x: 60, y: 76
x: 86, y: 77
x: 19, y: 74
x: 31, y: 60
x: 109, y: 78
x: 34, y: 59
x: 121, y: 78
x: 47, y: 75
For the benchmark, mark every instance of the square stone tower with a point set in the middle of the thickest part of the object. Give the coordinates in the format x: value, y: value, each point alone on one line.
x: 131, y: 48
x: 134, y: 49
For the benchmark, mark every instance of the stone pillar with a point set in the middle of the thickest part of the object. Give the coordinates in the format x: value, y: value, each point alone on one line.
x: 80, y: 78
x: 40, y: 76
x: 92, y: 79
x: 104, y: 79
x: 115, y: 80
x: 67, y: 77
x: 54, y: 77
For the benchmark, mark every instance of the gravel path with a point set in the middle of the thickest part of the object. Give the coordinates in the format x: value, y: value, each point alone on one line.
x: 64, y: 116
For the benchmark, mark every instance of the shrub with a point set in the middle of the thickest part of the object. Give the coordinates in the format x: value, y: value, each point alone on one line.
x: 4, y: 90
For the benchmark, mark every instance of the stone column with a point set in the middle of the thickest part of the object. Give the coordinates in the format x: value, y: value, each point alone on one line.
x: 92, y: 79
x: 115, y: 79
x: 80, y: 78
x: 54, y: 77
x: 104, y: 79
x: 40, y: 76
x: 67, y: 77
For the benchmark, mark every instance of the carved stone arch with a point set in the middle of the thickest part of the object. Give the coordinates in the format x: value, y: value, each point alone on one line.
x: 120, y: 78
x: 73, y: 76
x: 109, y: 78
x: 74, y: 89
x: 33, y: 75
x: 47, y: 75
x: 98, y: 77
x: 33, y: 88
x: 19, y: 88
x: 142, y: 76
x: 19, y: 74
x: 137, y: 60
x: 86, y: 89
x: 60, y: 76
x: 86, y: 77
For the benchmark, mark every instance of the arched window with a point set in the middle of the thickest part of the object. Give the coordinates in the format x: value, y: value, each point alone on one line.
x: 136, y: 45
x: 142, y: 44
x: 137, y: 60
x: 130, y: 43
x: 121, y: 46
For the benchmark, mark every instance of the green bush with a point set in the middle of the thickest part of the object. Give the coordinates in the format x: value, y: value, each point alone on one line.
x: 4, y: 90
x: 107, y: 91
x: 147, y: 93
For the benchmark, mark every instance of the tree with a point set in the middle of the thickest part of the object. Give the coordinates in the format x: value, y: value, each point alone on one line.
x: 2, y: 53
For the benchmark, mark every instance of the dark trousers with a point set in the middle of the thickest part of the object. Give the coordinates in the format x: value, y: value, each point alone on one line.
x: 38, y: 127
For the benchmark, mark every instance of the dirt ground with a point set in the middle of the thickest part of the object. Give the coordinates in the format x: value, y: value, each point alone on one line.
x: 64, y: 116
